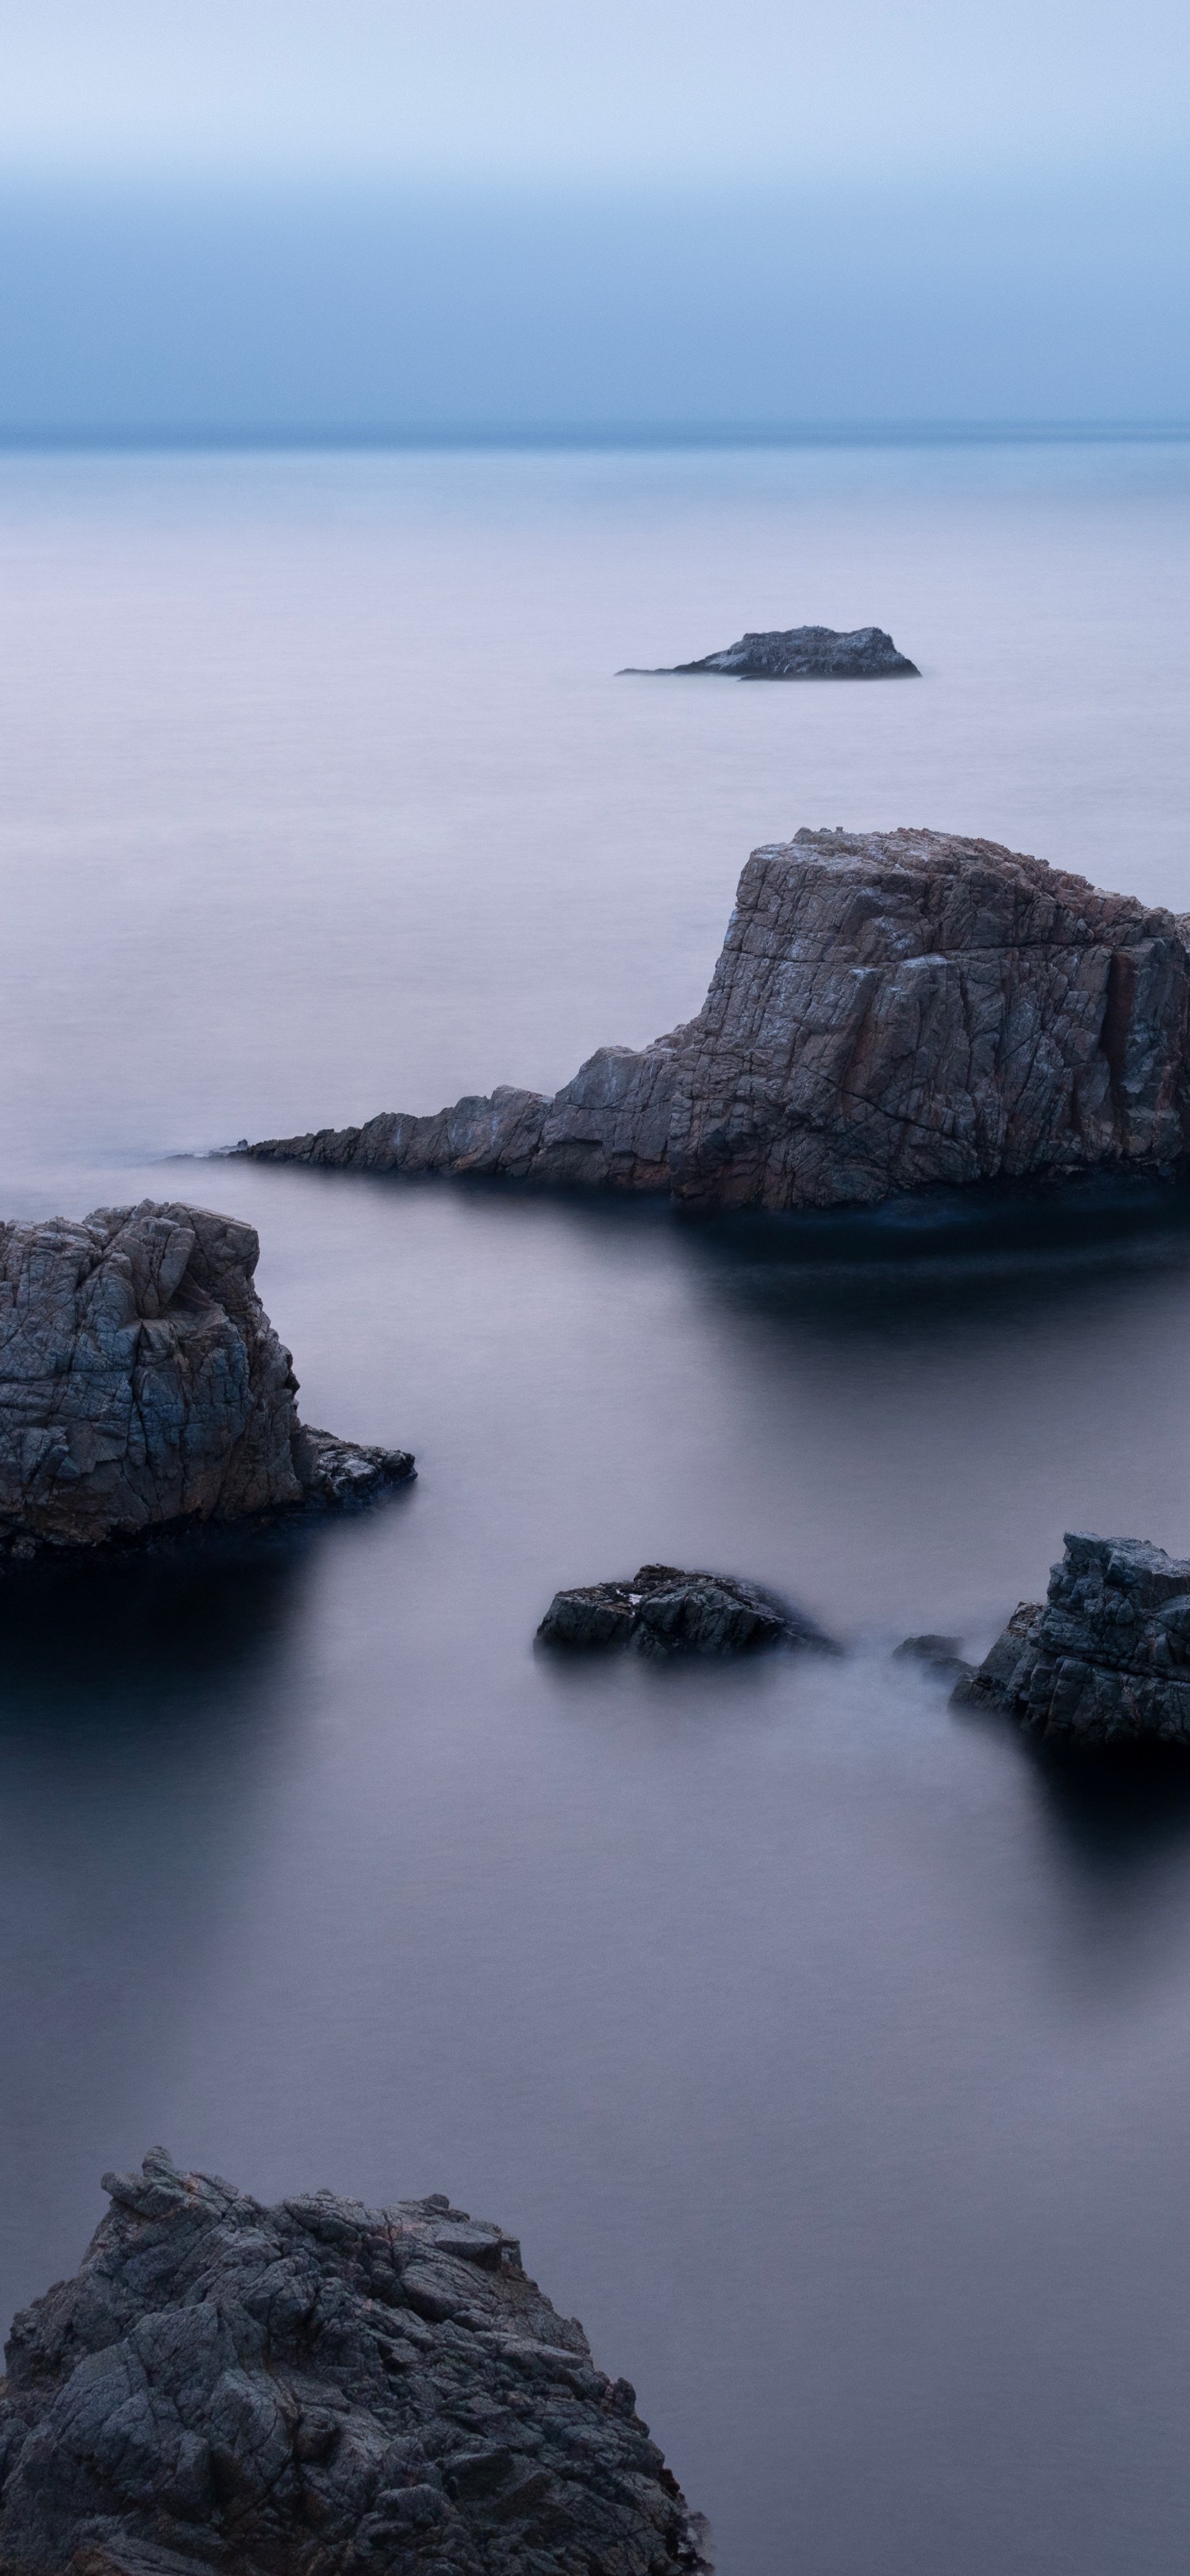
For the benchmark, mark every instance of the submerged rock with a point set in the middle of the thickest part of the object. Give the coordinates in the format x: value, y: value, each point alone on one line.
x: 317, y: 2389
x: 800, y: 653
x: 939, y: 1655
x: 664, y: 1611
x: 891, y: 1012
x: 142, y: 1385
x: 1106, y: 1657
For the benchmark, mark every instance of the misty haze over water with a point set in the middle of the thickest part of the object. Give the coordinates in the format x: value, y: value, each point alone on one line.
x: 829, y: 2051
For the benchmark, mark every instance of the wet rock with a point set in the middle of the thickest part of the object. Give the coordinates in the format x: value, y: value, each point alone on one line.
x: 142, y: 1386
x: 939, y: 1655
x: 317, y: 2389
x: 801, y: 653
x: 891, y: 1012
x: 665, y: 1611
x: 1106, y: 1657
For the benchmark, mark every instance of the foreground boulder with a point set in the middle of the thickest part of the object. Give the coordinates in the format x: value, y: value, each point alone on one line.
x: 801, y: 653
x: 892, y: 1011
x: 663, y: 1611
x: 142, y: 1385
x: 1106, y: 1657
x: 318, y: 2389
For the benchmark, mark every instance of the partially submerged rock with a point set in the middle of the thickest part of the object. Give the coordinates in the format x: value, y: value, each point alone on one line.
x: 664, y: 1611
x: 891, y: 1012
x: 939, y: 1656
x: 800, y: 653
x: 317, y: 2389
x: 142, y: 1386
x: 1106, y: 1657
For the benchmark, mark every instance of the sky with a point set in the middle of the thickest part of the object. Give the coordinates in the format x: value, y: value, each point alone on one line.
x: 374, y: 217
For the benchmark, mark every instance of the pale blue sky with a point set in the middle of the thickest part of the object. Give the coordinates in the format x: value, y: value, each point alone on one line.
x: 255, y: 214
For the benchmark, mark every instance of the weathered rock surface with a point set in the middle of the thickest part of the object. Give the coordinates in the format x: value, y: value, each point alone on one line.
x: 664, y: 1611
x: 801, y: 653
x: 1106, y: 1657
x: 891, y: 1011
x: 318, y: 2389
x: 142, y: 1385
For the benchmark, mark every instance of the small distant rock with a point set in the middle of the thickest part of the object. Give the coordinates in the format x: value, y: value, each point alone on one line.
x: 1106, y: 1657
x: 940, y: 1656
x: 800, y: 653
x: 663, y: 1610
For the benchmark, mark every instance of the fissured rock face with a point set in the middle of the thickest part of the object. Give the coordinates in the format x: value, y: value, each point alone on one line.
x: 142, y: 1384
x: 317, y: 2389
x: 891, y: 1011
x: 1106, y: 1656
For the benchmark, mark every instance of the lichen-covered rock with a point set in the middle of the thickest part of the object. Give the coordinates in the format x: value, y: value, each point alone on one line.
x: 142, y: 1385
x: 663, y: 1611
x: 800, y: 653
x: 1106, y: 1657
x: 317, y: 2389
x: 890, y: 1012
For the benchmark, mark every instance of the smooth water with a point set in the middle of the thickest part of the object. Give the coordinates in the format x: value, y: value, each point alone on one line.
x: 829, y: 2051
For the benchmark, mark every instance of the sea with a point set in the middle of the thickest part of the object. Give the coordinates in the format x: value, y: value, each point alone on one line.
x: 828, y: 2048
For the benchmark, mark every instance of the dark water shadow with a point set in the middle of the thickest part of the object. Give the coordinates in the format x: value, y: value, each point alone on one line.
x: 1114, y: 1808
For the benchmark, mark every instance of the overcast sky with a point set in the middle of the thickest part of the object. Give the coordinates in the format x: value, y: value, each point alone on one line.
x: 292, y: 214
x: 702, y: 90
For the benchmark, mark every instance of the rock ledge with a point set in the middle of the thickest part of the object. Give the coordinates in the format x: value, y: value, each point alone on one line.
x: 800, y: 653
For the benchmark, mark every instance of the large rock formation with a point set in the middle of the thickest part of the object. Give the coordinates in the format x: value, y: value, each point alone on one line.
x: 663, y: 1611
x: 1106, y: 1657
x: 800, y: 653
x: 142, y: 1384
x: 318, y: 2389
x: 891, y: 1011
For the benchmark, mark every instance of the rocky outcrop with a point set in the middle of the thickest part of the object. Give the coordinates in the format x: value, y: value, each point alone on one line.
x: 800, y: 653
x: 663, y: 1611
x: 317, y: 2389
x: 142, y: 1386
x: 891, y: 1011
x: 938, y: 1656
x: 1106, y: 1657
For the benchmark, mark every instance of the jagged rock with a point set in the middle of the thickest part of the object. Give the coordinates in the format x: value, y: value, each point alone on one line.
x: 663, y: 1611
x: 800, y: 653
x: 142, y: 1385
x: 1106, y: 1657
x: 890, y: 1012
x: 939, y: 1655
x: 317, y: 2389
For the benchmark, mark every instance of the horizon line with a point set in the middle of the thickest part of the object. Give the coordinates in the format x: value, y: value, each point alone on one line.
x: 49, y: 438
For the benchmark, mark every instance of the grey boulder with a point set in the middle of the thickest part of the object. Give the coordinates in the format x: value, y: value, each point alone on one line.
x: 142, y: 1386
x: 317, y: 2389
x: 891, y: 1012
x: 800, y: 653
x: 664, y: 1611
x: 1106, y: 1657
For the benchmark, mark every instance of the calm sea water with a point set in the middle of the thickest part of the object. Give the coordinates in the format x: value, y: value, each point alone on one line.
x: 829, y: 2051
